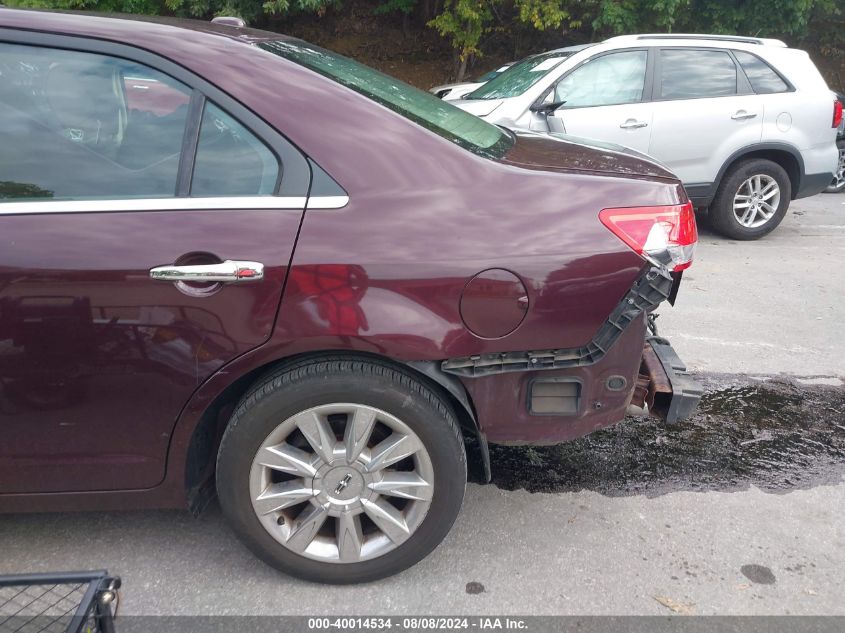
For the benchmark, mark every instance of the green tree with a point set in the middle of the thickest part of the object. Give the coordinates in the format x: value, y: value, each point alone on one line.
x: 617, y: 17
x: 753, y: 17
x: 465, y: 22
x: 543, y: 14
x: 763, y: 18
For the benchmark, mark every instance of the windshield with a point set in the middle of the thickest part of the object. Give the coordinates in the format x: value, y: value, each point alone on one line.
x: 425, y: 109
x: 493, y: 73
x: 519, y: 77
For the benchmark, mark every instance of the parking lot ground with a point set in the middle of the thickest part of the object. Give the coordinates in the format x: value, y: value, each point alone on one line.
x: 738, y: 511
x: 769, y: 306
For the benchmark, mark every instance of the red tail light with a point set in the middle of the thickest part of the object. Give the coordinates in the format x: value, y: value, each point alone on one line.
x: 837, y: 113
x: 664, y: 235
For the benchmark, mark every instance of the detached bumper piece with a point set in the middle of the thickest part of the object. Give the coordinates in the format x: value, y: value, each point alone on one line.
x: 650, y: 289
x: 71, y: 602
x: 663, y: 383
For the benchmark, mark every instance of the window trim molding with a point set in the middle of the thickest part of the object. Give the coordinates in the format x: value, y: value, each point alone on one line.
x: 128, y: 205
x: 190, y: 141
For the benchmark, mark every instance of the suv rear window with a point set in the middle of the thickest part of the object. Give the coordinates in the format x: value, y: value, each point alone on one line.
x: 421, y: 107
x: 763, y: 79
x: 694, y: 73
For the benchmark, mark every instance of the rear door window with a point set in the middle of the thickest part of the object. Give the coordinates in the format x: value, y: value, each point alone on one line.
x: 764, y: 80
x: 79, y: 125
x: 696, y: 73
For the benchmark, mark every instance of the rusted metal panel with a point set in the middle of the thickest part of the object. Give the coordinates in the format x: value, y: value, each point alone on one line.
x: 653, y: 387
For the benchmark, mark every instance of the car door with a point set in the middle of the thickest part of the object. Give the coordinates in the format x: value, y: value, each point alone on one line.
x: 146, y: 225
x: 704, y: 110
x: 605, y: 98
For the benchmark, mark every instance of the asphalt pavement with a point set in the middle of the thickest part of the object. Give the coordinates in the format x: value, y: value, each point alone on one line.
x: 741, y: 512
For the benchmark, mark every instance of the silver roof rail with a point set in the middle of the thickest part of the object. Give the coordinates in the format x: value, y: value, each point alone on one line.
x: 740, y: 39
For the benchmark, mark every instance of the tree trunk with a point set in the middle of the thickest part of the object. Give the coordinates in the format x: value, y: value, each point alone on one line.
x: 462, y: 69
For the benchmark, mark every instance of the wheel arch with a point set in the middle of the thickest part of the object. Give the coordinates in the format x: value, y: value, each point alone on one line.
x: 201, y: 442
x: 783, y: 154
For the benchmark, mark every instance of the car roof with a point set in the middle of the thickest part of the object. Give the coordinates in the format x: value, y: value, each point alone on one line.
x: 130, y: 29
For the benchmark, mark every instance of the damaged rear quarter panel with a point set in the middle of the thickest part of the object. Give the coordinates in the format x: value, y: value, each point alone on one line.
x: 501, y: 399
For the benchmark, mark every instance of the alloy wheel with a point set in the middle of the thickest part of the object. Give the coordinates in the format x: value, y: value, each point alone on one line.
x: 757, y: 199
x: 341, y: 483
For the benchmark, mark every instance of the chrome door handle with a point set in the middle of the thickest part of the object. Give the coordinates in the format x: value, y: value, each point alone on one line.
x: 229, y: 271
x: 633, y: 124
x: 741, y: 115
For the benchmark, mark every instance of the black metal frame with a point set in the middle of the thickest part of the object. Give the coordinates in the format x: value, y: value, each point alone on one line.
x: 686, y: 391
x: 95, y: 607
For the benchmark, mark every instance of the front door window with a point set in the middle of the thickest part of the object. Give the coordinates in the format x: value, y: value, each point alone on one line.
x: 611, y: 79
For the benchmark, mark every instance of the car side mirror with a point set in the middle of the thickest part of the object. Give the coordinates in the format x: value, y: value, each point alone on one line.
x: 546, y: 108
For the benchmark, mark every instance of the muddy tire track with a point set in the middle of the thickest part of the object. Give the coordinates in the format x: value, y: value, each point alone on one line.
x: 776, y: 434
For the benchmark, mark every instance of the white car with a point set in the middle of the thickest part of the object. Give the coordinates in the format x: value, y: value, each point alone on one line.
x: 746, y: 123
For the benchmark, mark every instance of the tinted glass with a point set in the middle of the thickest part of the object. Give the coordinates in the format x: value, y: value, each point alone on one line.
x: 607, y: 80
x: 763, y: 79
x: 83, y: 126
x: 687, y: 74
x: 230, y: 160
x: 423, y: 108
x: 519, y: 77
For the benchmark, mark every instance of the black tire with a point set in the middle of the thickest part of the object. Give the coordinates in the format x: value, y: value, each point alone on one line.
x: 722, y: 217
x: 838, y: 184
x: 309, y: 383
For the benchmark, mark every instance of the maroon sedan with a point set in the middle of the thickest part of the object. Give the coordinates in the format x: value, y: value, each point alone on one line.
x: 234, y: 262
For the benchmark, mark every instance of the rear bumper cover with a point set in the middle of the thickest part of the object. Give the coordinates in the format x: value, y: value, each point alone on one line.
x: 664, y: 384
x: 811, y: 184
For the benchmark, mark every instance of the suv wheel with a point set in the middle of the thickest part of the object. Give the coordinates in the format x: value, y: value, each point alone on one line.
x: 838, y: 183
x: 751, y: 200
x: 340, y: 471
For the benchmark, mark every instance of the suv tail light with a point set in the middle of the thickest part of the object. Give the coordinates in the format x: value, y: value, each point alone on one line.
x: 837, y: 113
x: 663, y: 235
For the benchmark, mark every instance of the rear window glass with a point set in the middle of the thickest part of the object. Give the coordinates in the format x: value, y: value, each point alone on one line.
x: 690, y: 74
x: 423, y: 108
x: 763, y: 79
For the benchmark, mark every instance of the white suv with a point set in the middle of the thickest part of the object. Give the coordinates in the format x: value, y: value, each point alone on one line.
x: 747, y: 123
